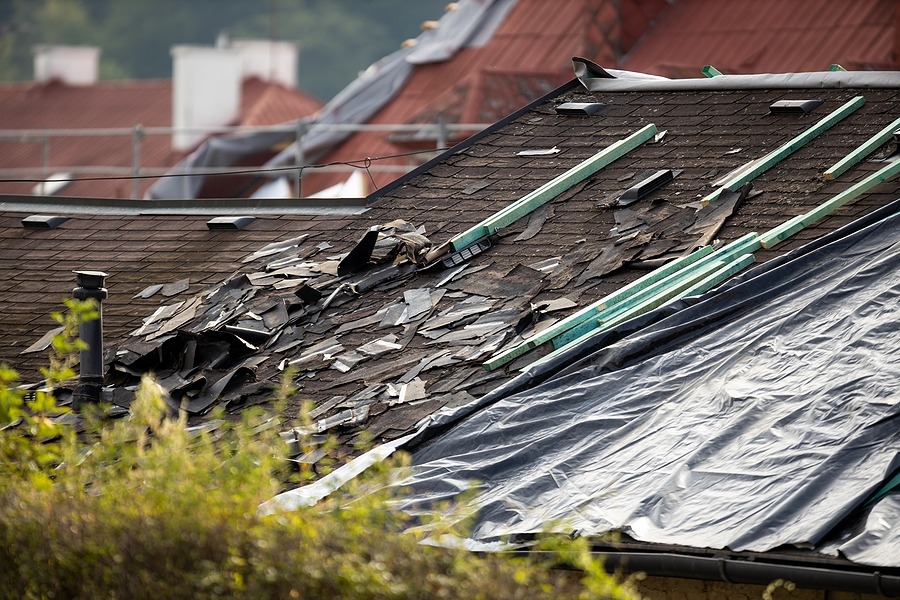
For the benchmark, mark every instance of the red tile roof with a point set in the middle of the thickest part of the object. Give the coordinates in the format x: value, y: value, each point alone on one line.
x: 757, y: 36
x: 115, y: 104
x: 528, y: 55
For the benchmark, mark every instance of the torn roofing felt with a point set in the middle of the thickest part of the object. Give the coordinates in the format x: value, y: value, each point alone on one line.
x: 764, y: 415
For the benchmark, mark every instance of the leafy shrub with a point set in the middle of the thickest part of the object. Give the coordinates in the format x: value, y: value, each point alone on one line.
x: 146, y: 506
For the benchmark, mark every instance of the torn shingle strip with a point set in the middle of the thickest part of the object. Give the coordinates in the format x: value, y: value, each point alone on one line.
x: 475, y: 187
x: 418, y: 301
x: 149, y: 291
x: 276, y: 247
x: 539, y: 152
x: 535, y: 222
x: 45, y: 341
x: 172, y: 289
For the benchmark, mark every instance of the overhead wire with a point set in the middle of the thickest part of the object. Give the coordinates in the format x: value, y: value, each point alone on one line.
x: 361, y: 163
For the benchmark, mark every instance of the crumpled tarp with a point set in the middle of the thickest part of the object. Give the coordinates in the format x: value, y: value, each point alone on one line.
x: 765, y: 414
x: 362, y: 98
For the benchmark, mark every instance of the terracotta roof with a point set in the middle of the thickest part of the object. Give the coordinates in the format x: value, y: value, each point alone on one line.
x: 759, y: 36
x: 116, y: 104
x: 530, y: 52
x: 526, y: 57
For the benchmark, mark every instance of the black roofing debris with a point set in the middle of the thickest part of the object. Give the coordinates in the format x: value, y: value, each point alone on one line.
x: 230, y: 344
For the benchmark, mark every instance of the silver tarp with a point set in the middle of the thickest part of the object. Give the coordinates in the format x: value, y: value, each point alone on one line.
x: 763, y: 415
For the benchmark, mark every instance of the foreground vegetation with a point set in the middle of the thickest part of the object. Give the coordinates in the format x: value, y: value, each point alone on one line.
x: 146, y: 506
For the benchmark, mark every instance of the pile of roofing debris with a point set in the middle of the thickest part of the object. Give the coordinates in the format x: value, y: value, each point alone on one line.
x: 232, y: 343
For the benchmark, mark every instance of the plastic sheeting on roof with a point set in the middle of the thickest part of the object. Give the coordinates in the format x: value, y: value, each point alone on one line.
x: 471, y: 22
x: 763, y: 415
x: 362, y: 98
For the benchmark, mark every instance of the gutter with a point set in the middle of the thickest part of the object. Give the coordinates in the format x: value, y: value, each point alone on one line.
x: 749, y: 572
x: 734, y: 571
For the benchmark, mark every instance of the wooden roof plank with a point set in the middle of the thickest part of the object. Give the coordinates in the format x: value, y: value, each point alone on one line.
x: 673, y: 283
x: 775, y: 236
x: 697, y: 282
x: 596, y: 307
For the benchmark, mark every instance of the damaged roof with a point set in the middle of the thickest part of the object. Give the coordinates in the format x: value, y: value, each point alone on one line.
x: 386, y: 317
x: 370, y: 308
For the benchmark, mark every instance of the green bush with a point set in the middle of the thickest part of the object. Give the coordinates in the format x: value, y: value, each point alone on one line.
x: 147, y: 507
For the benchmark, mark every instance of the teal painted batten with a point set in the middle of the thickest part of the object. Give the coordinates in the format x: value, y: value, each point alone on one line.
x: 552, y: 189
x: 666, y: 288
x: 595, y: 308
x: 722, y: 270
x: 754, y: 169
x: 646, y: 300
x: 840, y: 167
x: 775, y: 236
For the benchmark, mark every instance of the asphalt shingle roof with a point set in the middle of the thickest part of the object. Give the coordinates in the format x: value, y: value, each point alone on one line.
x: 708, y: 133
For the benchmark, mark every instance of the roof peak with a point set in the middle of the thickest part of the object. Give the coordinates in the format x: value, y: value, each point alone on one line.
x: 599, y: 79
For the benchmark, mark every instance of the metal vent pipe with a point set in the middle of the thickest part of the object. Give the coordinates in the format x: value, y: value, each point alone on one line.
x: 90, y: 379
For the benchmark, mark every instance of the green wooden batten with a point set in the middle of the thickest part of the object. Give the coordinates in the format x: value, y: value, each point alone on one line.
x: 665, y: 288
x: 742, y: 262
x: 594, y: 308
x: 872, y: 144
x: 646, y: 300
x: 755, y: 168
x: 552, y: 189
x: 775, y: 236
x: 724, y: 270
x: 710, y: 71
x: 716, y: 273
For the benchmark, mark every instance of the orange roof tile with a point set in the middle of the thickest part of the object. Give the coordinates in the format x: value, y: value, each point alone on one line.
x: 115, y: 104
x: 769, y: 36
x: 537, y: 39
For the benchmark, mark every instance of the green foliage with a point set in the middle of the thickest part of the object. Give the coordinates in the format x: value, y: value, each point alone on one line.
x: 148, y: 507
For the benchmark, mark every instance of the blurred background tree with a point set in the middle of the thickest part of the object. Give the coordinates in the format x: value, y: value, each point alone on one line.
x: 337, y: 38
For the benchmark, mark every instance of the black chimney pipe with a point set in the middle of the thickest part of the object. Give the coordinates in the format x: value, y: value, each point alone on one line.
x: 90, y: 379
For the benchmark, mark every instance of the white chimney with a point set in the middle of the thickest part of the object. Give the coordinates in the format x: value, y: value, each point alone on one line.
x: 269, y: 60
x: 73, y: 65
x: 206, y: 91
